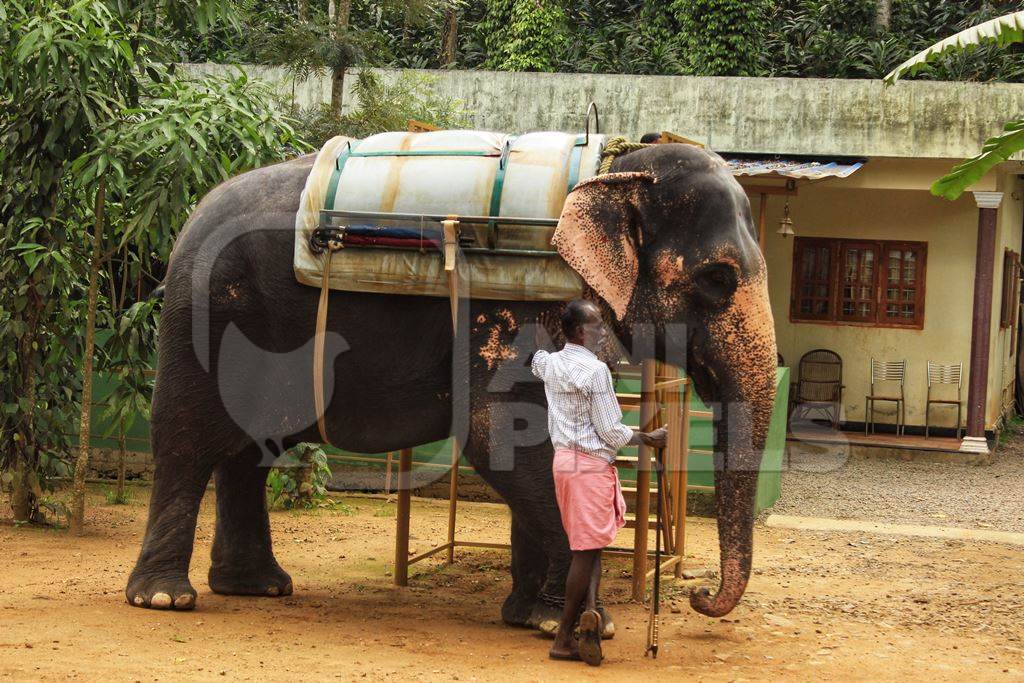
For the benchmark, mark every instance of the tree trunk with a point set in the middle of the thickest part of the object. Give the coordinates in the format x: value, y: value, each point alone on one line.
x: 340, y: 24
x: 24, y: 501
x: 449, y: 37
x: 883, y: 15
x: 78, y: 490
x: 122, y: 457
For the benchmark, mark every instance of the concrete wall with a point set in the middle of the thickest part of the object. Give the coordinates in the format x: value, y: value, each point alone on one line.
x: 921, y: 119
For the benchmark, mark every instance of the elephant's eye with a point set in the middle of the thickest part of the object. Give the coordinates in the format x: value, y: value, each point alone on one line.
x: 715, y: 282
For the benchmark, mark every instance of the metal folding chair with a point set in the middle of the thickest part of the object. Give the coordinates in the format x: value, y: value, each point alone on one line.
x: 893, y: 371
x: 945, y: 374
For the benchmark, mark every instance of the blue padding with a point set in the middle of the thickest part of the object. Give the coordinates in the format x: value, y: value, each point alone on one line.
x: 381, y: 231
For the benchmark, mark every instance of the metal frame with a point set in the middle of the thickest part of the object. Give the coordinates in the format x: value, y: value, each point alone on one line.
x: 944, y: 374
x: 331, y: 227
x: 886, y: 371
x: 661, y: 405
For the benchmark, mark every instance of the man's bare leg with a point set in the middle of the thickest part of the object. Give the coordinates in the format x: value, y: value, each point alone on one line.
x: 595, y: 583
x: 577, y: 586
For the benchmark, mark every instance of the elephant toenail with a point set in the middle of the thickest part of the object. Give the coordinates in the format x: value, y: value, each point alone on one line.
x: 273, y: 591
x: 183, y: 601
x: 160, y: 601
x: 139, y: 600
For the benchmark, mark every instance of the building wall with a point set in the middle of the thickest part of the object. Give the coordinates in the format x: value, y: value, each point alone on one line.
x: 1003, y: 366
x: 950, y: 228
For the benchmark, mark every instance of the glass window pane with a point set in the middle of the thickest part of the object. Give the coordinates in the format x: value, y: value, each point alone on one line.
x: 868, y: 269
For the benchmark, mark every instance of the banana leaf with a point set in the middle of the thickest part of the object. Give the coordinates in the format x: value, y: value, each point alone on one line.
x: 1002, y: 31
x: 995, y: 151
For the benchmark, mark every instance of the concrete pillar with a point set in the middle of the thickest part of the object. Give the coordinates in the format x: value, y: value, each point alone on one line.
x: 981, y: 323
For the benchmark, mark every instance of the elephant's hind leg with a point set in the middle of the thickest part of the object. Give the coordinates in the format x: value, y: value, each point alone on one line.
x: 243, y: 558
x: 160, y: 578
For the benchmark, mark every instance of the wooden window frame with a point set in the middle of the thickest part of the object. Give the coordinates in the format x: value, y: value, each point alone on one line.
x: 838, y: 248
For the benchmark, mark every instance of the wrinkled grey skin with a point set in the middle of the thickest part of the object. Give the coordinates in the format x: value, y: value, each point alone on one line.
x: 226, y: 410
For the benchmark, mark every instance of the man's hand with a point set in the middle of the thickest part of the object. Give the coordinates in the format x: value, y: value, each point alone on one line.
x: 656, y: 439
x: 541, y: 336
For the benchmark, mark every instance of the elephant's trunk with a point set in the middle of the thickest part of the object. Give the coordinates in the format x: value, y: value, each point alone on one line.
x: 740, y: 348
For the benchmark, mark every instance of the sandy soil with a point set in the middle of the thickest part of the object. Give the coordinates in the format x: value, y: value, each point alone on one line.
x: 819, y: 606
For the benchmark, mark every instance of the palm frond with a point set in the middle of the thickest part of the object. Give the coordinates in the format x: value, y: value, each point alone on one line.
x: 1002, y: 31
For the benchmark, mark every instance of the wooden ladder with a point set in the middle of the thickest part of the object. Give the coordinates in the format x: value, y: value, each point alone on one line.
x: 664, y: 401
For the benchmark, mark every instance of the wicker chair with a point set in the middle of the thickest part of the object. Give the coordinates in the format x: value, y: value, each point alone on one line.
x: 945, y: 374
x: 891, y: 372
x: 819, y: 385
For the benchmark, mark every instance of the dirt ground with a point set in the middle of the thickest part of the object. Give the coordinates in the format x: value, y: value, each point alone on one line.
x: 909, y: 492
x: 819, y: 606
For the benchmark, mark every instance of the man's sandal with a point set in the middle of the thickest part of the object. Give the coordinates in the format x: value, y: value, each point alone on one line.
x: 571, y: 657
x: 590, y: 638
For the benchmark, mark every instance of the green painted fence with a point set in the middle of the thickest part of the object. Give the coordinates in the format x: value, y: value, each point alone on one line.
x: 700, y: 468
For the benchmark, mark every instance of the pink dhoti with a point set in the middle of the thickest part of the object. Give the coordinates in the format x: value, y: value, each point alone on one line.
x: 589, y: 499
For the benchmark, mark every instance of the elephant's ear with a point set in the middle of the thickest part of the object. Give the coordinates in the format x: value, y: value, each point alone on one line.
x: 598, y: 234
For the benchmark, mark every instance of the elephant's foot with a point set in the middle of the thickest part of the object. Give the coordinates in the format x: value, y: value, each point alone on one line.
x: 546, y: 616
x: 247, y: 579
x: 167, y: 590
x: 517, y: 609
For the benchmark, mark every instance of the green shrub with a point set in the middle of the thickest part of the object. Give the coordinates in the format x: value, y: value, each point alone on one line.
x: 299, y: 479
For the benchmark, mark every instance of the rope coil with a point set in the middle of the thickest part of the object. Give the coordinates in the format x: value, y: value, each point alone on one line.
x: 616, y: 147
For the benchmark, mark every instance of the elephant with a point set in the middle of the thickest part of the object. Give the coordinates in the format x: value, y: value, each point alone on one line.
x: 664, y: 242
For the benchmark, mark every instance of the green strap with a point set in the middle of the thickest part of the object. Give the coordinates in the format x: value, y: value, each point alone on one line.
x: 499, y: 184
x: 339, y: 166
x: 574, y: 162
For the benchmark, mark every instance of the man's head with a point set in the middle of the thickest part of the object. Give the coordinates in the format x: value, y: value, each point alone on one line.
x: 582, y: 324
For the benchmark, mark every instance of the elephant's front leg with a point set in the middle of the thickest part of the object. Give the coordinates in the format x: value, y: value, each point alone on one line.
x: 243, y: 560
x: 160, y: 577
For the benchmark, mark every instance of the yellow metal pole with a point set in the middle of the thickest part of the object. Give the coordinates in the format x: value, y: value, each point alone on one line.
x: 683, y: 477
x: 402, y: 530
x: 453, y: 499
x: 648, y: 414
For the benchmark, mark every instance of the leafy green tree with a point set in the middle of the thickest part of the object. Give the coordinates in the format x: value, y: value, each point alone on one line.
x: 623, y: 36
x: 524, y: 35
x: 721, y: 37
x: 104, y: 153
